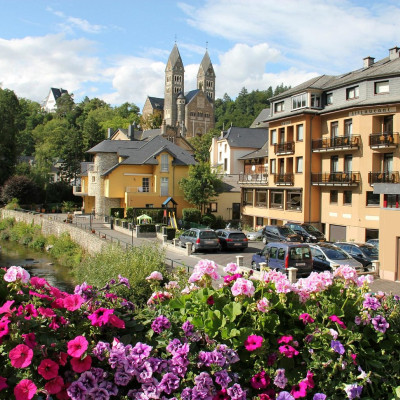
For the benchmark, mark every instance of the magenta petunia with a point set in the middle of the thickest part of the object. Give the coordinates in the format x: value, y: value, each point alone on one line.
x: 6, y: 307
x: 117, y: 322
x: 253, y: 342
x: 260, y: 380
x: 54, y: 385
x: 306, y: 318
x: 21, y: 356
x: 285, y: 339
x: 25, y: 390
x: 335, y: 318
x: 80, y: 366
x: 288, y: 351
x: 30, y: 339
x: 48, y: 369
x: 77, y: 346
x: 3, y: 383
x: 100, y: 316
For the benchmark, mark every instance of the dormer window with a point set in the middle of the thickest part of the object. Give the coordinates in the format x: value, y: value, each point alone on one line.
x: 382, y: 87
x: 279, y: 107
x: 299, y: 101
x: 329, y: 98
x: 315, y: 101
x: 352, y: 93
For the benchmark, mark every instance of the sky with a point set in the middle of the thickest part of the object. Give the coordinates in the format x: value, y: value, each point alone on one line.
x: 117, y: 50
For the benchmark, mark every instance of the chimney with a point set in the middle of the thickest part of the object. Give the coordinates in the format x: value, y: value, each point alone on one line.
x: 393, y: 53
x: 368, y: 61
x: 109, y: 133
x: 131, y: 130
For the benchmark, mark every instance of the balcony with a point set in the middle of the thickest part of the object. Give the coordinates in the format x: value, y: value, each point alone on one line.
x: 383, y: 177
x: 284, y: 148
x: 336, y: 179
x: 138, y: 189
x: 253, y: 179
x: 79, y: 191
x: 284, y: 179
x: 385, y: 140
x: 336, y: 143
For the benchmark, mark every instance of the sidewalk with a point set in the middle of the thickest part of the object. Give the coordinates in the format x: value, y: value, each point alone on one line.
x: 177, y: 257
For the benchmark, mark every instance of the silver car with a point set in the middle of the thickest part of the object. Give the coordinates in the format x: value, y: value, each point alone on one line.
x: 327, y: 256
x: 201, y: 239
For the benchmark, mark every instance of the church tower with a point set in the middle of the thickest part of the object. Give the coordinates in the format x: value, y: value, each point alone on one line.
x: 174, y: 84
x: 206, y: 78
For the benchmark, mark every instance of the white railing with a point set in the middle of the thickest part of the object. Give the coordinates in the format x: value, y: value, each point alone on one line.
x: 137, y: 189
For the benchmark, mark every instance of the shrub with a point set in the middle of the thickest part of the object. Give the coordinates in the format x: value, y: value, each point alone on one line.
x: 191, y: 215
x: 22, y: 188
x: 38, y: 243
x: 66, y: 251
x: 117, y: 212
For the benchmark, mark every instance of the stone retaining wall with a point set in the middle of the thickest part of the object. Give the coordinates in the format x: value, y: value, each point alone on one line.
x: 89, y: 242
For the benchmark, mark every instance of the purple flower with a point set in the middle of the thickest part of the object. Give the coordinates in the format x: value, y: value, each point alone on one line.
x: 353, y: 391
x: 371, y: 303
x: 160, y: 324
x: 124, y: 281
x: 222, y: 378
x: 88, y: 380
x: 236, y: 392
x: 110, y: 387
x: 175, y: 347
x: 121, y: 378
x: 169, y: 383
x: 144, y: 372
x: 187, y: 327
x: 101, y: 349
x: 141, y: 351
x: 77, y: 391
x: 337, y: 346
x: 151, y: 389
x: 186, y: 394
x: 319, y: 396
x: 203, y: 381
x: 284, y: 396
x: 380, y: 324
x: 98, y: 394
x: 280, y: 378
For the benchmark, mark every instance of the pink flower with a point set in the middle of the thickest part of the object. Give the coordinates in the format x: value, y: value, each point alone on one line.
x: 117, y: 322
x: 21, y: 356
x: 306, y: 318
x: 6, y: 307
x: 80, y: 366
x: 62, y: 358
x: 336, y: 319
x: 243, y: 287
x: 25, y: 390
x: 73, y: 302
x: 285, y: 339
x: 231, y: 268
x: 30, y: 339
x: 260, y: 380
x: 38, y: 282
x: 46, y: 312
x: 48, y: 369
x: 100, y: 316
x: 253, y: 342
x: 77, y: 346
x: 3, y: 384
x: 210, y: 301
x: 300, y: 390
x: 156, y: 276
x: 16, y: 273
x: 288, y: 351
x: 29, y: 310
x: 4, y: 327
x: 204, y: 267
x: 263, y: 305
x: 55, y: 385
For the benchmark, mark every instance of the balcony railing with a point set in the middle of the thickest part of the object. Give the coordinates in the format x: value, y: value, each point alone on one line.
x: 283, y: 179
x: 336, y: 179
x: 138, y: 189
x: 337, y: 143
x: 384, y: 140
x: 383, y: 177
x: 284, y: 148
x: 253, y: 178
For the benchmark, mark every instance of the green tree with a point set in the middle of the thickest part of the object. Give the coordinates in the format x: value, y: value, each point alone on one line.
x: 9, y: 111
x: 202, y: 144
x: 201, y: 186
x: 22, y: 188
x: 65, y: 105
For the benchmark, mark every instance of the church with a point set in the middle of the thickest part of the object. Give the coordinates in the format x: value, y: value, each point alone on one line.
x: 184, y: 115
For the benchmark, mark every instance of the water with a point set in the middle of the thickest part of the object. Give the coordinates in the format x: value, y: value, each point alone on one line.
x: 37, y: 263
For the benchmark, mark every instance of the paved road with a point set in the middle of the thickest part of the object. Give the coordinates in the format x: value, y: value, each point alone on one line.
x: 177, y: 256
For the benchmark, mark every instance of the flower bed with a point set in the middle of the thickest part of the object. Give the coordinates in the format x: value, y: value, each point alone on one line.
x: 325, y: 337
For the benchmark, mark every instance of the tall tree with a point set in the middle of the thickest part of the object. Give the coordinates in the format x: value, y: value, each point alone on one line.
x: 202, y: 144
x: 9, y: 111
x: 201, y: 186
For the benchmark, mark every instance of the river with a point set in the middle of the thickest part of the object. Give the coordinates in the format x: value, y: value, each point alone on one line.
x: 37, y: 264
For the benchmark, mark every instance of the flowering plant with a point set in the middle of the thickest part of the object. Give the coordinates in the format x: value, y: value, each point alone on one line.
x: 324, y: 337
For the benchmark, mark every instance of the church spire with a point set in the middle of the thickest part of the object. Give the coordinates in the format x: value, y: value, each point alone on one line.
x: 206, y: 77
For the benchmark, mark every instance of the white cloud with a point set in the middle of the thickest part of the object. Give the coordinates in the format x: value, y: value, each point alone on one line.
x: 30, y: 66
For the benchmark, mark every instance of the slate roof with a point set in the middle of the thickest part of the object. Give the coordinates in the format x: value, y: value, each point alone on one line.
x: 230, y: 183
x: 259, y: 122
x: 58, y: 92
x: 263, y: 152
x: 157, y: 103
x: 206, y: 63
x: 189, y: 96
x: 246, y: 137
x: 174, y: 57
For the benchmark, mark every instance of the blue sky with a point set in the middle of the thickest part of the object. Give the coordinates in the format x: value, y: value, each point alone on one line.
x: 117, y: 50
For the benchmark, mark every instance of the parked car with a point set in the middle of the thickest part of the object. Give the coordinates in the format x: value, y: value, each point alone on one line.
x: 374, y: 242
x: 232, y: 239
x: 308, y: 232
x: 282, y: 255
x: 365, y: 253
x: 201, y: 239
x: 327, y: 255
x: 274, y: 233
x: 256, y: 235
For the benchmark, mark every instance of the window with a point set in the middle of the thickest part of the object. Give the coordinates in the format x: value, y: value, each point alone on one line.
x: 178, y: 78
x: 93, y: 179
x: 281, y: 254
x: 177, y: 90
x: 381, y: 87
x: 213, y: 207
x: 373, y: 199
x: 347, y: 196
x: 329, y: 99
x: 334, y: 129
x: 276, y: 199
x: 315, y: 101
x: 149, y: 205
x: 391, y: 201
x: 261, y: 198
x: 348, y: 127
x: 164, y: 186
x: 352, y: 93
x: 209, y: 84
x: 273, y: 166
x: 274, y: 137
x: 334, y: 163
x: 225, y: 164
x: 299, y: 165
x: 145, y: 184
x: 164, y: 163
x: 299, y: 132
x: 259, y: 221
x: 248, y: 197
x: 348, y: 163
x: 294, y: 201
x: 279, y: 107
x: 333, y: 197
x: 225, y: 147
x: 220, y: 156
x: 299, y: 101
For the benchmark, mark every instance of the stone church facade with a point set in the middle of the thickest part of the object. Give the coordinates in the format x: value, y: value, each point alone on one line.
x: 185, y: 114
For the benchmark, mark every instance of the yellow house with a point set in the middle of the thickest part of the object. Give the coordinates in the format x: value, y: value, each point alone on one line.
x: 133, y: 173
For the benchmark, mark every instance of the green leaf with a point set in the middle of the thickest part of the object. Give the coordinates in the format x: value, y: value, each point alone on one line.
x: 177, y: 303
x: 232, y: 310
